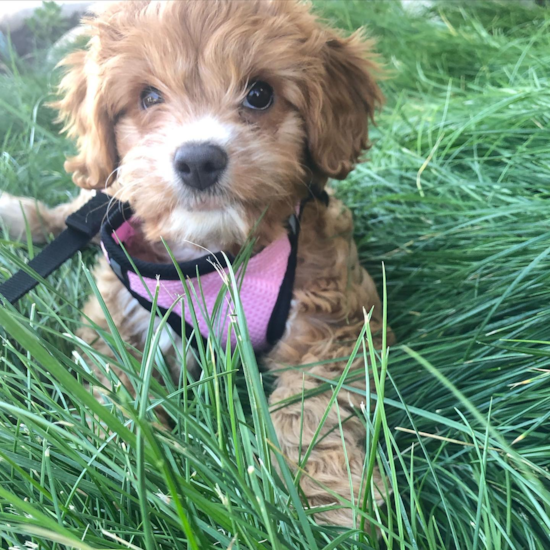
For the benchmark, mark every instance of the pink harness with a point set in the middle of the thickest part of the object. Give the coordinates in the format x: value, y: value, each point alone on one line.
x: 265, y: 286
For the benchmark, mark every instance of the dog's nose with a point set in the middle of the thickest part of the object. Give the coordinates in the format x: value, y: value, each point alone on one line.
x: 200, y: 165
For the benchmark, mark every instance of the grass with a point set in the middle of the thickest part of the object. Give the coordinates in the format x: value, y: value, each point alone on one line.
x: 453, y: 204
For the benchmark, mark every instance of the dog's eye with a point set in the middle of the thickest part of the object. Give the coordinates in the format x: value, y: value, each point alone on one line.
x: 259, y: 96
x: 149, y: 97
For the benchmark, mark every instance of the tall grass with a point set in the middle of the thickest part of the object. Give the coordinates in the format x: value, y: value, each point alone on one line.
x: 452, y: 203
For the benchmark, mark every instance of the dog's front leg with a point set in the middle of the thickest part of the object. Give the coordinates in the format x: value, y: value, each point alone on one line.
x: 330, y: 451
x: 19, y: 213
x: 132, y: 322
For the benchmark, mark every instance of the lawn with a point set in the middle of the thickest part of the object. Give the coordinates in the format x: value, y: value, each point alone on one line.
x: 451, y: 215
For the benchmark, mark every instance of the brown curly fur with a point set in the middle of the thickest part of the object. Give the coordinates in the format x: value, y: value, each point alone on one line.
x: 202, y: 60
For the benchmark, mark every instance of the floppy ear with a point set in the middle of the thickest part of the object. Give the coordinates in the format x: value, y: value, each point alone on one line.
x: 341, y: 104
x: 82, y: 109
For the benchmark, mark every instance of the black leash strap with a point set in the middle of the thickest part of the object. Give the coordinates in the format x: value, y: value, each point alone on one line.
x: 82, y: 226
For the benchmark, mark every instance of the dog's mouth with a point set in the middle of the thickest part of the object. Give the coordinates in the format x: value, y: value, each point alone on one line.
x: 209, y: 199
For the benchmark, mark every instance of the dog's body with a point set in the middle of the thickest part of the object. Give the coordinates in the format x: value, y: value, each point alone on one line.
x: 278, y: 104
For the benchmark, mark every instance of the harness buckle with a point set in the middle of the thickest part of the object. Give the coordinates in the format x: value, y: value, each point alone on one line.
x: 293, y: 223
x: 88, y: 219
x: 115, y: 266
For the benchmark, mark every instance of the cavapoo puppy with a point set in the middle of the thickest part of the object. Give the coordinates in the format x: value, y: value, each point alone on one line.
x: 214, y: 120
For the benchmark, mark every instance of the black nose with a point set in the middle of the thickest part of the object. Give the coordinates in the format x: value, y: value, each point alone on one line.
x: 200, y: 165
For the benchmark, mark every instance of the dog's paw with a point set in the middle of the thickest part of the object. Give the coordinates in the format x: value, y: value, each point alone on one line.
x: 19, y: 214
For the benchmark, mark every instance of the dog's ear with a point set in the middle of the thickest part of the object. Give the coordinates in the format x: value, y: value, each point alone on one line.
x: 83, y: 110
x: 341, y: 103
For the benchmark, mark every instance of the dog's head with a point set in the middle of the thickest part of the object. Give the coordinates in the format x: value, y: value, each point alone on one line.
x: 207, y: 112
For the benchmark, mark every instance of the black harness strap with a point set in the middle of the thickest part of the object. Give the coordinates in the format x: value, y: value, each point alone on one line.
x: 277, y: 324
x: 82, y: 226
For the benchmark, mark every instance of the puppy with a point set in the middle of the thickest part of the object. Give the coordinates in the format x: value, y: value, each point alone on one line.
x: 277, y: 103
